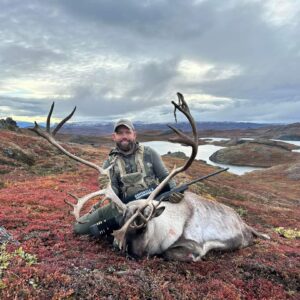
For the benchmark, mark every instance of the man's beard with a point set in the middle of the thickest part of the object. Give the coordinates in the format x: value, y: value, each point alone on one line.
x: 126, y: 147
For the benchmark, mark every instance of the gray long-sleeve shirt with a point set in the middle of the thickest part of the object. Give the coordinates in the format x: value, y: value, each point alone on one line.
x: 153, y: 163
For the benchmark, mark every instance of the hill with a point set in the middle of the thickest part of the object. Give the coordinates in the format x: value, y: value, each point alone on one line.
x: 256, y: 153
x: 47, y: 261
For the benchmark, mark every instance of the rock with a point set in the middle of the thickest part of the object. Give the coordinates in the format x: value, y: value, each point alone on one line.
x: 260, y: 141
x: 177, y: 154
x: 293, y: 172
x: 6, y: 237
x: 19, y: 155
x: 9, y: 124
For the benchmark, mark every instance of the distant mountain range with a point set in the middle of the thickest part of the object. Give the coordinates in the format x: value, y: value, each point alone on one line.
x: 279, y: 131
x: 23, y: 124
x: 100, y: 129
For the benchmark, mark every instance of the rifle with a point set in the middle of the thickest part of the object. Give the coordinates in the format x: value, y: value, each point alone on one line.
x: 185, y: 186
x: 166, y: 190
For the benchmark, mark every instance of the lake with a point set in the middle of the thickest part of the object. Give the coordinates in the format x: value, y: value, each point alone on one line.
x: 204, y: 152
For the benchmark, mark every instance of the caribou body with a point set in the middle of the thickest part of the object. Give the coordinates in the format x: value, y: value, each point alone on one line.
x: 187, y: 230
x: 180, y: 231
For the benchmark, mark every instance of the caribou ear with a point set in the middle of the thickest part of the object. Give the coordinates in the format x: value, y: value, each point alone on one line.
x: 158, y: 211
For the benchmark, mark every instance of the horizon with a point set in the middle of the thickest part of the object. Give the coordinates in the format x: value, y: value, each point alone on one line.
x: 24, y: 124
x: 234, y: 61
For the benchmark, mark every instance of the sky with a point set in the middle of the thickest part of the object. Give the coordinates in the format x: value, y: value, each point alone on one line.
x: 233, y: 60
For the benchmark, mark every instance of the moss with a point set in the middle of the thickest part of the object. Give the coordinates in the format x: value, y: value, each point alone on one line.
x: 2, y: 285
x: 6, y: 257
x: 4, y: 171
x: 288, y: 233
x: 19, y: 155
x: 202, y: 188
x: 49, y: 168
x: 8, y: 162
x: 241, y: 211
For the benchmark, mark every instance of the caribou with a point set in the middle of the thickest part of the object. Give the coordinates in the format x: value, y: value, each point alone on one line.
x: 184, y: 231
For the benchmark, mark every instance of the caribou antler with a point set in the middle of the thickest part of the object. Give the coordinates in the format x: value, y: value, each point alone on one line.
x: 49, y: 136
x: 181, y: 138
x: 108, y: 192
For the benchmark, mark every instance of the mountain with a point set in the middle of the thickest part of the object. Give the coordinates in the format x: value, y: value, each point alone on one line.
x: 23, y: 124
x: 100, y: 129
x: 284, y: 132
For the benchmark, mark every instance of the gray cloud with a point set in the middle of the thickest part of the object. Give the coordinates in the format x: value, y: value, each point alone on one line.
x: 111, y: 58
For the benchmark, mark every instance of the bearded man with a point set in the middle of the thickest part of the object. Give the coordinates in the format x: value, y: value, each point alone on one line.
x: 137, y: 170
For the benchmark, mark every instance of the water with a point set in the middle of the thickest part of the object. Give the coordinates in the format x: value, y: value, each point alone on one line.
x: 214, y: 139
x: 221, y: 139
x: 204, y: 152
x: 297, y: 143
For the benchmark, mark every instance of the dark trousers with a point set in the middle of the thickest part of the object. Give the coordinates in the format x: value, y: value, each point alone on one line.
x: 100, y: 214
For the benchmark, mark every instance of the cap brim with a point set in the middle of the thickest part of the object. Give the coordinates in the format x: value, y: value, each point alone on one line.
x: 127, y: 126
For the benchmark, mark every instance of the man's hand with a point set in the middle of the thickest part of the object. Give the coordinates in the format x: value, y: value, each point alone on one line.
x: 175, y: 197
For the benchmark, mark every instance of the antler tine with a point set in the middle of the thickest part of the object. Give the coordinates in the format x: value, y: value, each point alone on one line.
x: 62, y: 122
x: 121, y: 233
x: 81, y: 201
x: 108, y: 192
x: 50, y: 138
x: 182, y: 138
x: 134, y: 225
x: 49, y: 117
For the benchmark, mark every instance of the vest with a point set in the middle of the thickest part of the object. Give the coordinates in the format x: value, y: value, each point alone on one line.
x: 134, y: 182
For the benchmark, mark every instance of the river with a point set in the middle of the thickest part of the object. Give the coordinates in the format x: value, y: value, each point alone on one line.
x: 205, y: 151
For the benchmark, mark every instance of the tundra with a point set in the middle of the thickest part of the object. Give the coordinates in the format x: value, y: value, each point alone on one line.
x: 183, y: 231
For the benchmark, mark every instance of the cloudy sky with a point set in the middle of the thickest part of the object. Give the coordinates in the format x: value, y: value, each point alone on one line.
x: 234, y: 60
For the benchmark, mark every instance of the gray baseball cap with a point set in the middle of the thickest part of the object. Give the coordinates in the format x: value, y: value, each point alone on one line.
x: 124, y: 122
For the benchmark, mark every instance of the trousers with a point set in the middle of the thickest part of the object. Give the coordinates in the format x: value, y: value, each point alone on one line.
x: 100, y: 214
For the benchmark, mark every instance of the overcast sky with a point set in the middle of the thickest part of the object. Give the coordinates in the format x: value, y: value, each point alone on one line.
x: 234, y: 60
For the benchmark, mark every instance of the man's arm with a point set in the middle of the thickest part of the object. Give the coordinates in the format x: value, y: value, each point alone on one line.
x: 160, y: 169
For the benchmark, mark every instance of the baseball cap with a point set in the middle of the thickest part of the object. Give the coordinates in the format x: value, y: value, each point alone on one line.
x: 124, y: 122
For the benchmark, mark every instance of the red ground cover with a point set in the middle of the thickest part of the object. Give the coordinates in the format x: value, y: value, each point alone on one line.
x: 80, y: 267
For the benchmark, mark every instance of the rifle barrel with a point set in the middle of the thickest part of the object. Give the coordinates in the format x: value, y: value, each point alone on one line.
x: 206, y: 176
x: 186, y: 185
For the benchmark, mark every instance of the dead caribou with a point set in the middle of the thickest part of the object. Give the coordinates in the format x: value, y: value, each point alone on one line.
x: 183, y: 231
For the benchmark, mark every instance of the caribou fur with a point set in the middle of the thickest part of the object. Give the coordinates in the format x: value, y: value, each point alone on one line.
x: 187, y: 230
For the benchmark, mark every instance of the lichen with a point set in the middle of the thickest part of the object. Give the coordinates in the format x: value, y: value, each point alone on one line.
x: 288, y: 232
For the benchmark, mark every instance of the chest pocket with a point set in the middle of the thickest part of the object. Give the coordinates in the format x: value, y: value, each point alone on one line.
x: 137, y: 181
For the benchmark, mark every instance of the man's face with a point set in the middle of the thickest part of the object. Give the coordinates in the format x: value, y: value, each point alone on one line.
x: 124, y: 137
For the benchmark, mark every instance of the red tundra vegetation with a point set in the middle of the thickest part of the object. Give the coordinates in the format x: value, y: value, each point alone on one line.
x: 48, y: 261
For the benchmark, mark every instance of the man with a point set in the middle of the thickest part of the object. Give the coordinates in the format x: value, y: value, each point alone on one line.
x: 136, y: 171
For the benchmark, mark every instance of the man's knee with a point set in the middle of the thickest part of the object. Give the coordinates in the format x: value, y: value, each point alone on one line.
x: 102, y: 213
x: 80, y: 228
